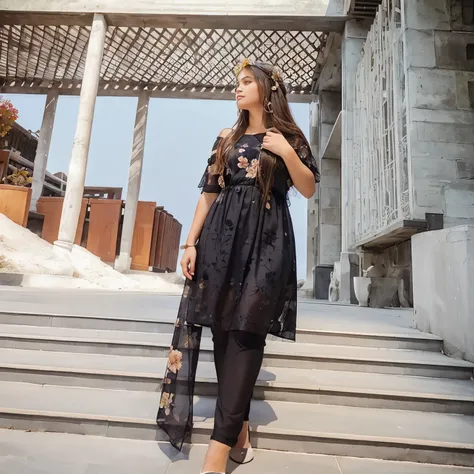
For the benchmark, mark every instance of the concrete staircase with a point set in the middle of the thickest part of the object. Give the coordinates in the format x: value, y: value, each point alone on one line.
x: 353, y: 385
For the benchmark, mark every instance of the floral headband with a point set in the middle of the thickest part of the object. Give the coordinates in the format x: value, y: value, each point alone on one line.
x: 275, y: 73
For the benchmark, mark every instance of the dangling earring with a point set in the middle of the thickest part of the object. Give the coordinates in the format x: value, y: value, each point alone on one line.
x: 267, y: 106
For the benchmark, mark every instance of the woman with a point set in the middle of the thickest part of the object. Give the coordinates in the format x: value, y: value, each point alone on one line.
x: 239, y: 263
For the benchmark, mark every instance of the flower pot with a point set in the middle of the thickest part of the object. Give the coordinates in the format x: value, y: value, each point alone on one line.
x: 361, y: 289
x: 15, y: 203
x: 51, y: 207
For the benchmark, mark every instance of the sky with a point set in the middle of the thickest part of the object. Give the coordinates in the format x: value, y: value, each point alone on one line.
x: 180, y: 134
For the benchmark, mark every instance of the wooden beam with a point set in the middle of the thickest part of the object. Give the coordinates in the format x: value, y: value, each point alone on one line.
x: 254, y: 22
x: 135, y: 92
x: 157, y: 7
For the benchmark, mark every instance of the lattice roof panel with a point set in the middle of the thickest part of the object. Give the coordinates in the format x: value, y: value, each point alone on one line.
x: 155, y: 58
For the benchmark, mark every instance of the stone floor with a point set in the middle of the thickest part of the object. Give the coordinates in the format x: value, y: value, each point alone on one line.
x: 122, y: 304
x: 53, y: 453
x: 32, y: 378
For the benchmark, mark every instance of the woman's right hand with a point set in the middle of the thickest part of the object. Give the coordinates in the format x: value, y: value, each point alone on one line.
x: 188, y: 262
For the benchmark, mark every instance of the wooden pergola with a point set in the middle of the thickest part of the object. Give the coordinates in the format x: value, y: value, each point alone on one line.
x: 147, y: 49
x: 168, y: 62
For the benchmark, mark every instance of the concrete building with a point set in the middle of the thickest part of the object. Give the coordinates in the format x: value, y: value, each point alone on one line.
x: 395, y: 125
x: 390, y: 86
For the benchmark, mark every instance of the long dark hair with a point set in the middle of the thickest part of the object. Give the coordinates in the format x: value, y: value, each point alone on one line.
x: 281, y: 119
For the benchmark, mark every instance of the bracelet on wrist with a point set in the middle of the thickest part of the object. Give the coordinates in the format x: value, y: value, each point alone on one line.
x: 185, y: 246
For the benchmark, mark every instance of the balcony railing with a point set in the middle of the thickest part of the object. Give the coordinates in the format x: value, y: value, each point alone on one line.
x: 380, y: 190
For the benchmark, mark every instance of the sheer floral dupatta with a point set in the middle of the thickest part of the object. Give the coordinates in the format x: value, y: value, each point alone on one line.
x: 175, y: 415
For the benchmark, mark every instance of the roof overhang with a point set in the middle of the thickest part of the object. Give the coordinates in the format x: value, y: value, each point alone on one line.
x: 264, y: 22
x: 181, y: 49
x: 231, y: 14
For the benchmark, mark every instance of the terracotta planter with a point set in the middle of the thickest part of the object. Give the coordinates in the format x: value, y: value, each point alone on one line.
x: 104, y: 219
x: 15, y: 203
x: 165, y: 242
x: 142, y: 234
x: 51, y: 207
x: 159, y: 240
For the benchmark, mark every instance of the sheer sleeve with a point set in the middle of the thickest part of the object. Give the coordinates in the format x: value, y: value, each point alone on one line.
x: 306, y: 156
x: 210, y: 182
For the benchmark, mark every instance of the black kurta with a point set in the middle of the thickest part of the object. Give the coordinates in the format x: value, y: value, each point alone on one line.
x: 245, y: 273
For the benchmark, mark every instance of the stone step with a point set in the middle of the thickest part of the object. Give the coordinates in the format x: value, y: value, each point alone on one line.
x: 277, y: 354
x: 338, y: 334
x: 60, y: 453
x: 282, y: 426
x: 274, y: 383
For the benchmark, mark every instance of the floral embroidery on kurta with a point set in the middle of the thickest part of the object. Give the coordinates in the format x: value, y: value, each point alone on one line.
x: 245, y: 272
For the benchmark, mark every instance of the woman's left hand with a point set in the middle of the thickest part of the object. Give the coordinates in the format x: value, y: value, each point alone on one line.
x: 275, y: 142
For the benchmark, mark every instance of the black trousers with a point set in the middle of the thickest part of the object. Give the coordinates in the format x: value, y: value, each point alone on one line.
x: 238, y: 358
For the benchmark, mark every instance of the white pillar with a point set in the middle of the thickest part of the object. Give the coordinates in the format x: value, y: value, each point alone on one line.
x: 313, y: 204
x: 355, y: 34
x: 353, y: 41
x: 44, y: 142
x: 80, y: 148
x: 124, y: 260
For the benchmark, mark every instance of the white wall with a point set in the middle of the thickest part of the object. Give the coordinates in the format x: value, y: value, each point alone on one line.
x: 443, y: 284
x: 440, y: 112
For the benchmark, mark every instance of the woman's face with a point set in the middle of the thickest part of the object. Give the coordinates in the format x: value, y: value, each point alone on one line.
x: 247, y: 94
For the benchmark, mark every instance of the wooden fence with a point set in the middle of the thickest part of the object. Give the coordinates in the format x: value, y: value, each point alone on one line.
x: 155, y: 244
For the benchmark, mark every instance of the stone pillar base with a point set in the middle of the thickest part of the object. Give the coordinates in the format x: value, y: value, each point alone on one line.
x: 307, y: 290
x: 62, y: 250
x: 63, y: 247
x: 123, y: 263
x: 349, y: 269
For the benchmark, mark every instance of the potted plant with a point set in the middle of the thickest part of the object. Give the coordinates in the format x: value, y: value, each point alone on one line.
x: 15, y: 195
x: 8, y: 116
x: 19, y: 177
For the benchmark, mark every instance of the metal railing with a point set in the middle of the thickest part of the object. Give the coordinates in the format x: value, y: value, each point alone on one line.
x: 53, y: 185
x: 25, y: 141
x: 380, y: 190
